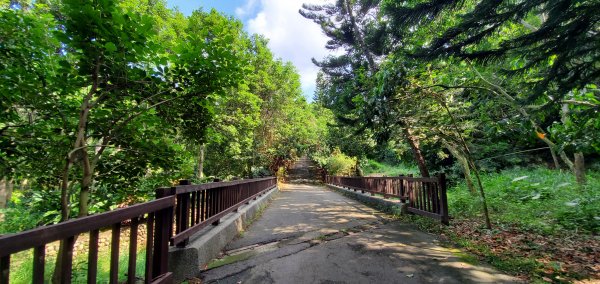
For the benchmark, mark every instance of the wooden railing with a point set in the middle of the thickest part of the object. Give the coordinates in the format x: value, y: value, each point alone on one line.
x: 154, y: 213
x: 203, y: 204
x: 426, y: 196
x: 176, y: 214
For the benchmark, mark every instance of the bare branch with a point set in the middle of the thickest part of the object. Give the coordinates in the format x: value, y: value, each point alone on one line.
x: 581, y: 103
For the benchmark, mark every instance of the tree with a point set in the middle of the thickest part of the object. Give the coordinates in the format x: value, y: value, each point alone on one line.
x: 558, y: 36
x: 354, y: 26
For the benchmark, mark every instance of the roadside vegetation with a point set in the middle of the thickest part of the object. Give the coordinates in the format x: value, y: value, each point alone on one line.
x: 535, y: 199
x: 372, y: 167
x: 21, y: 268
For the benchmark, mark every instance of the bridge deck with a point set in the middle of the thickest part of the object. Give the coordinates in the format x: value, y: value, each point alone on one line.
x: 312, y: 235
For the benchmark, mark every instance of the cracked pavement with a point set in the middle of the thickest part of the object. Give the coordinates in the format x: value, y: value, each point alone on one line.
x: 310, y: 234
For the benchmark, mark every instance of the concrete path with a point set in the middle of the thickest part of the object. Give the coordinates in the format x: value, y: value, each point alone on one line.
x: 312, y: 235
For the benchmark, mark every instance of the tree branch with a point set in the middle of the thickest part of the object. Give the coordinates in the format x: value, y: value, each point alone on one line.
x: 581, y: 103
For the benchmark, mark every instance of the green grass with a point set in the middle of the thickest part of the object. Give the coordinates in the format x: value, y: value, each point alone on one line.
x: 376, y: 168
x: 22, y: 267
x: 538, y: 199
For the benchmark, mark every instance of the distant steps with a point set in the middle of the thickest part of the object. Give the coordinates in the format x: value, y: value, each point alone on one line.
x: 303, y: 170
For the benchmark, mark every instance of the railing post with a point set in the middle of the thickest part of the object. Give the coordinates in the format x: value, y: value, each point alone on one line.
x: 162, y: 234
x: 163, y: 230
x: 216, y: 202
x: 402, y: 191
x: 182, y: 216
x: 164, y: 192
x: 444, y: 199
x: 5, y: 269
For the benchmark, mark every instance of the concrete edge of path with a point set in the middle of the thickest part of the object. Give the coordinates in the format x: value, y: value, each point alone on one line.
x: 186, y: 263
x: 379, y: 203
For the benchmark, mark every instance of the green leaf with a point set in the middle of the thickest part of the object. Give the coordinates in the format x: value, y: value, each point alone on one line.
x: 110, y: 47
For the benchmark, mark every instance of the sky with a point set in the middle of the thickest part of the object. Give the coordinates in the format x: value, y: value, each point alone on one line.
x: 291, y: 37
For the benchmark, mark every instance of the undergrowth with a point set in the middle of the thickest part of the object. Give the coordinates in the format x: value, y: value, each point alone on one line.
x: 21, y: 269
x: 372, y: 167
x: 538, y: 199
x: 545, y: 226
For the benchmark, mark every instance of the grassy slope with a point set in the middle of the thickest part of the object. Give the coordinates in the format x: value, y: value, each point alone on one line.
x: 538, y: 199
x: 545, y: 225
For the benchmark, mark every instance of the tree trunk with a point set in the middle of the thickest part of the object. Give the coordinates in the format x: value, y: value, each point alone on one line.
x: 413, y: 141
x: 467, y: 173
x: 464, y: 164
x: 86, y: 184
x: 3, y: 199
x: 64, y: 191
x: 9, y: 189
x: 486, y: 213
x: 555, y: 159
x: 79, y: 146
x: 483, y: 200
x: 561, y: 153
x: 6, y: 188
x: 58, y: 271
x: 200, y: 172
x: 249, y: 170
x: 580, y: 169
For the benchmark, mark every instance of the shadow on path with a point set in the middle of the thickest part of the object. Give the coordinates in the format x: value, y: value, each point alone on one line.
x: 312, y: 235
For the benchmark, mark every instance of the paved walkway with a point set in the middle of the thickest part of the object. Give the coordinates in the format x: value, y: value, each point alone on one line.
x: 312, y: 235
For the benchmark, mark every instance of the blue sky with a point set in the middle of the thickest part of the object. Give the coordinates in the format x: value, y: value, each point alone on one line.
x: 291, y: 37
x: 226, y: 6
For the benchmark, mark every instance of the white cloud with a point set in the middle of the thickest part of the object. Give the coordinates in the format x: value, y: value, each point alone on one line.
x: 291, y: 36
x: 246, y: 9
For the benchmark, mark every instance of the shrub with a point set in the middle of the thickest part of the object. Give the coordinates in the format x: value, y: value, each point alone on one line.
x: 339, y: 164
x: 29, y: 209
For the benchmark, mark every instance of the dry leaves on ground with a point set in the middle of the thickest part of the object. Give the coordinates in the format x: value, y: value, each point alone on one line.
x: 561, y: 255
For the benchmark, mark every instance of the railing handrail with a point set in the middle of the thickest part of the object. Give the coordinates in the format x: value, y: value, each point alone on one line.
x: 426, y: 195
x: 409, y: 178
x: 187, y: 188
x: 189, y: 219
x: 29, y: 239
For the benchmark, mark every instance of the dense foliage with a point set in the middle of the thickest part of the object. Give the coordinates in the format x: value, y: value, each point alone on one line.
x: 466, y: 87
x: 103, y: 101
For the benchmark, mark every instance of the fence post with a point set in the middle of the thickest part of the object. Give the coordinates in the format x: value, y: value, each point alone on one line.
x: 163, y: 230
x: 444, y: 199
x: 402, y: 191
x: 162, y: 235
x: 216, y: 199
x: 164, y: 192
x: 182, y: 216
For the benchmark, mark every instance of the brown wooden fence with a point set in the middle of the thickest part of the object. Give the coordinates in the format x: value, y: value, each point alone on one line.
x: 426, y: 196
x: 176, y: 214
x: 203, y: 204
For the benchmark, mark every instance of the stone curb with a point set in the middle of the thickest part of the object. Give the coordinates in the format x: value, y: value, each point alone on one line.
x: 186, y: 263
x: 379, y: 203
